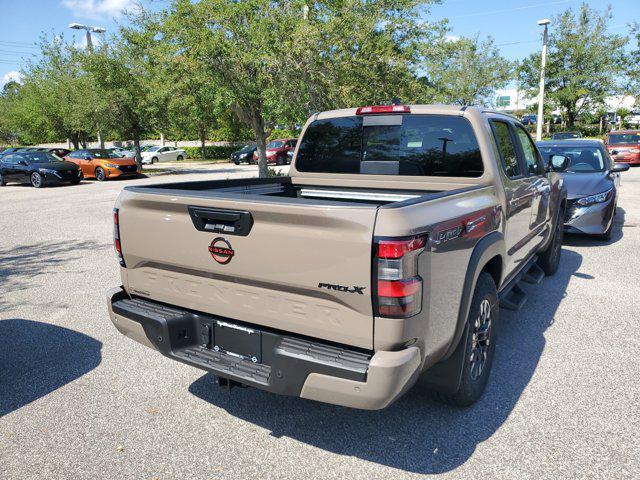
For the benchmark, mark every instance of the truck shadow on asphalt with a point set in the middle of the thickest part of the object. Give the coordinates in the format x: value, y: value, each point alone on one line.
x: 20, y: 265
x: 37, y: 358
x: 415, y: 434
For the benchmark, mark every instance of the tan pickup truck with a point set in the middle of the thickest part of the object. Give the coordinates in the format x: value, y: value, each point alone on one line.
x: 380, y: 262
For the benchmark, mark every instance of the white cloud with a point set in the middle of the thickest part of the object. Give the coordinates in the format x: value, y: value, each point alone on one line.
x: 98, y: 8
x: 12, y: 76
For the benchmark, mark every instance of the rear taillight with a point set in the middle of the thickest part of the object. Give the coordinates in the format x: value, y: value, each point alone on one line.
x: 383, y: 109
x: 116, y: 236
x: 399, y: 292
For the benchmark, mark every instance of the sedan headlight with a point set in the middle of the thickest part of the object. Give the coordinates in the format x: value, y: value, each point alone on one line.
x: 244, y: 155
x: 111, y: 165
x: 597, y: 198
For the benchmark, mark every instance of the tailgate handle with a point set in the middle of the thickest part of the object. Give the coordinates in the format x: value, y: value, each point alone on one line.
x: 216, y: 220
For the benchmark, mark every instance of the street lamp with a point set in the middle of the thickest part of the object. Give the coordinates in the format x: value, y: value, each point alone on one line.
x: 89, y: 29
x: 543, y: 23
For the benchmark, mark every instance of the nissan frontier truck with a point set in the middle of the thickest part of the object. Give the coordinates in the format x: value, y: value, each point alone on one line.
x: 381, y: 262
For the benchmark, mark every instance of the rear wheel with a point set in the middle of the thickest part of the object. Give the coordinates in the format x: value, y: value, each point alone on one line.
x: 3, y: 182
x: 479, y: 345
x: 100, y: 175
x: 36, y: 180
x: 550, y: 258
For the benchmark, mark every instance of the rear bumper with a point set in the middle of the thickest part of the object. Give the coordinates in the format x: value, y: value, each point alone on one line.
x: 287, y: 365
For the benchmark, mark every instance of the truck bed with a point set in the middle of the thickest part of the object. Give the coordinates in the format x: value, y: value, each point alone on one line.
x: 283, y: 190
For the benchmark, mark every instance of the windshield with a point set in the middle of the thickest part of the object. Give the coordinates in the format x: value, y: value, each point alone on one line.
x: 564, y: 136
x: 620, y: 138
x: 275, y: 145
x: 583, y: 159
x: 39, y: 157
x: 412, y: 145
x: 99, y: 153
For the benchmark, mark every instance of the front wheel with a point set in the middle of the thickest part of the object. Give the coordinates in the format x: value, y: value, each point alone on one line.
x: 36, y: 180
x: 480, y: 344
x: 154, y: 160
x: 549, y: 260
x: 100, y: 175
x: 3, y: 182
x: 180, y: 158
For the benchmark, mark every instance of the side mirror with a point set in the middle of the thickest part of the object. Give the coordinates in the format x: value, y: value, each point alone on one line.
x: 558, y: 163
x: 619, y: 167
x: 614, y: 152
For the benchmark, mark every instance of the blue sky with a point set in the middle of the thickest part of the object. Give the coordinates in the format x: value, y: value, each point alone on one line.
x: 511, y: 24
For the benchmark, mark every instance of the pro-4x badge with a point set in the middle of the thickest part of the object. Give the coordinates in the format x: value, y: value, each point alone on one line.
x: 342, y: 288
x: 221, y: 250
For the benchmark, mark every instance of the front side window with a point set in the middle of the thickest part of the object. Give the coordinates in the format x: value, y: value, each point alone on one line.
x: 411, y: 145
x: 529, y: 151
x: 507, y: 149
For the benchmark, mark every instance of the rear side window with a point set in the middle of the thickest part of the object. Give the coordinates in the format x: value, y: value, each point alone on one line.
x: 413, y: 145
x: 507, y: 149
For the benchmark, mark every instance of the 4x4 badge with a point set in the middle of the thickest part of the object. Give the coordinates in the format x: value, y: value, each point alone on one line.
x: 221, y: 250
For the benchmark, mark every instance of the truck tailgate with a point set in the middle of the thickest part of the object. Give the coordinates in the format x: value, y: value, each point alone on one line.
x: 270, y: 277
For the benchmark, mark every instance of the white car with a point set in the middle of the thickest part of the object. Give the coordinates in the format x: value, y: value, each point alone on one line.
x: 163, y: 154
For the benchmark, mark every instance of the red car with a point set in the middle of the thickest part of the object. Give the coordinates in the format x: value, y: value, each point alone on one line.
x: 277, y: 151
x: 624, y: 146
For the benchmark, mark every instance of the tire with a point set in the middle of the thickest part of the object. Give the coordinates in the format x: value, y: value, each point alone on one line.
x: 2, y: 181
x: 154, y: 160
x: 480, y: 344
x: 101, y: 176
x: 179, y: 158
x: 36, y: 180
x: 279, y: 161
x: 549, y: 260
x: 237, y: 163
x: 75, y: 182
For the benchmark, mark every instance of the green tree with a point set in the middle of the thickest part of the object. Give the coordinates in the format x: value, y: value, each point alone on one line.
x: 276, y: 62
x: 466, y: 71
x: 585, y: 62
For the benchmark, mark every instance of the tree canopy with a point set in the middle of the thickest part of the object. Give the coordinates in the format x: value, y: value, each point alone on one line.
x: 585, y: 62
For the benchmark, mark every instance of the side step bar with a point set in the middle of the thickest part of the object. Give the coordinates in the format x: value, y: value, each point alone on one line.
x: 512, y: 296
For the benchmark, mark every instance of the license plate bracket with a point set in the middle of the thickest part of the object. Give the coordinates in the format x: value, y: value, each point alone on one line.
x: 237, y: 340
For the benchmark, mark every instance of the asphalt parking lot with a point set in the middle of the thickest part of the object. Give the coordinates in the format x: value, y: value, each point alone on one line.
x: 79, y: 400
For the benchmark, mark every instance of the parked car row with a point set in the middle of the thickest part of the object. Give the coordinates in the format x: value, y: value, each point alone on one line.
x: 43, y: 166
x: 279, y: 152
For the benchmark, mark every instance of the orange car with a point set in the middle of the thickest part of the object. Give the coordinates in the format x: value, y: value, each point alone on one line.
x: 101, y: 165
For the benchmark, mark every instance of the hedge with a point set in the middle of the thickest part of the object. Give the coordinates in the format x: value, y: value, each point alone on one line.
x: 211, y: 151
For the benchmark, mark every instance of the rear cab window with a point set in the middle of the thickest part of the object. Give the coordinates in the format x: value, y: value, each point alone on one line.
x: 411, y: 145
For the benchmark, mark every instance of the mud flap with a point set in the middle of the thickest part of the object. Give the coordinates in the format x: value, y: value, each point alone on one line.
x: 445, y: 376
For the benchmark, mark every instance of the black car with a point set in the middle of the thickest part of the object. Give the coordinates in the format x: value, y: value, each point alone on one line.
x: 529, y: 119
x: 38, y: 169
x: 592, y: 180
x: 245, y: 154
x: 565, y: 135
x: 57, y: 151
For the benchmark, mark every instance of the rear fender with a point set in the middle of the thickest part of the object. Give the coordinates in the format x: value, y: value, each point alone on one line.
x: 446, y: 375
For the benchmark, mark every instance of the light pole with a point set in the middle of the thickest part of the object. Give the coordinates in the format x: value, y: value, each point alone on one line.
x: 544, y: 23
x: 89, y: 29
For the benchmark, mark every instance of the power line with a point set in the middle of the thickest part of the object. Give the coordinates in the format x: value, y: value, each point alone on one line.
x: 506, y: 10
x: 18, y: 43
